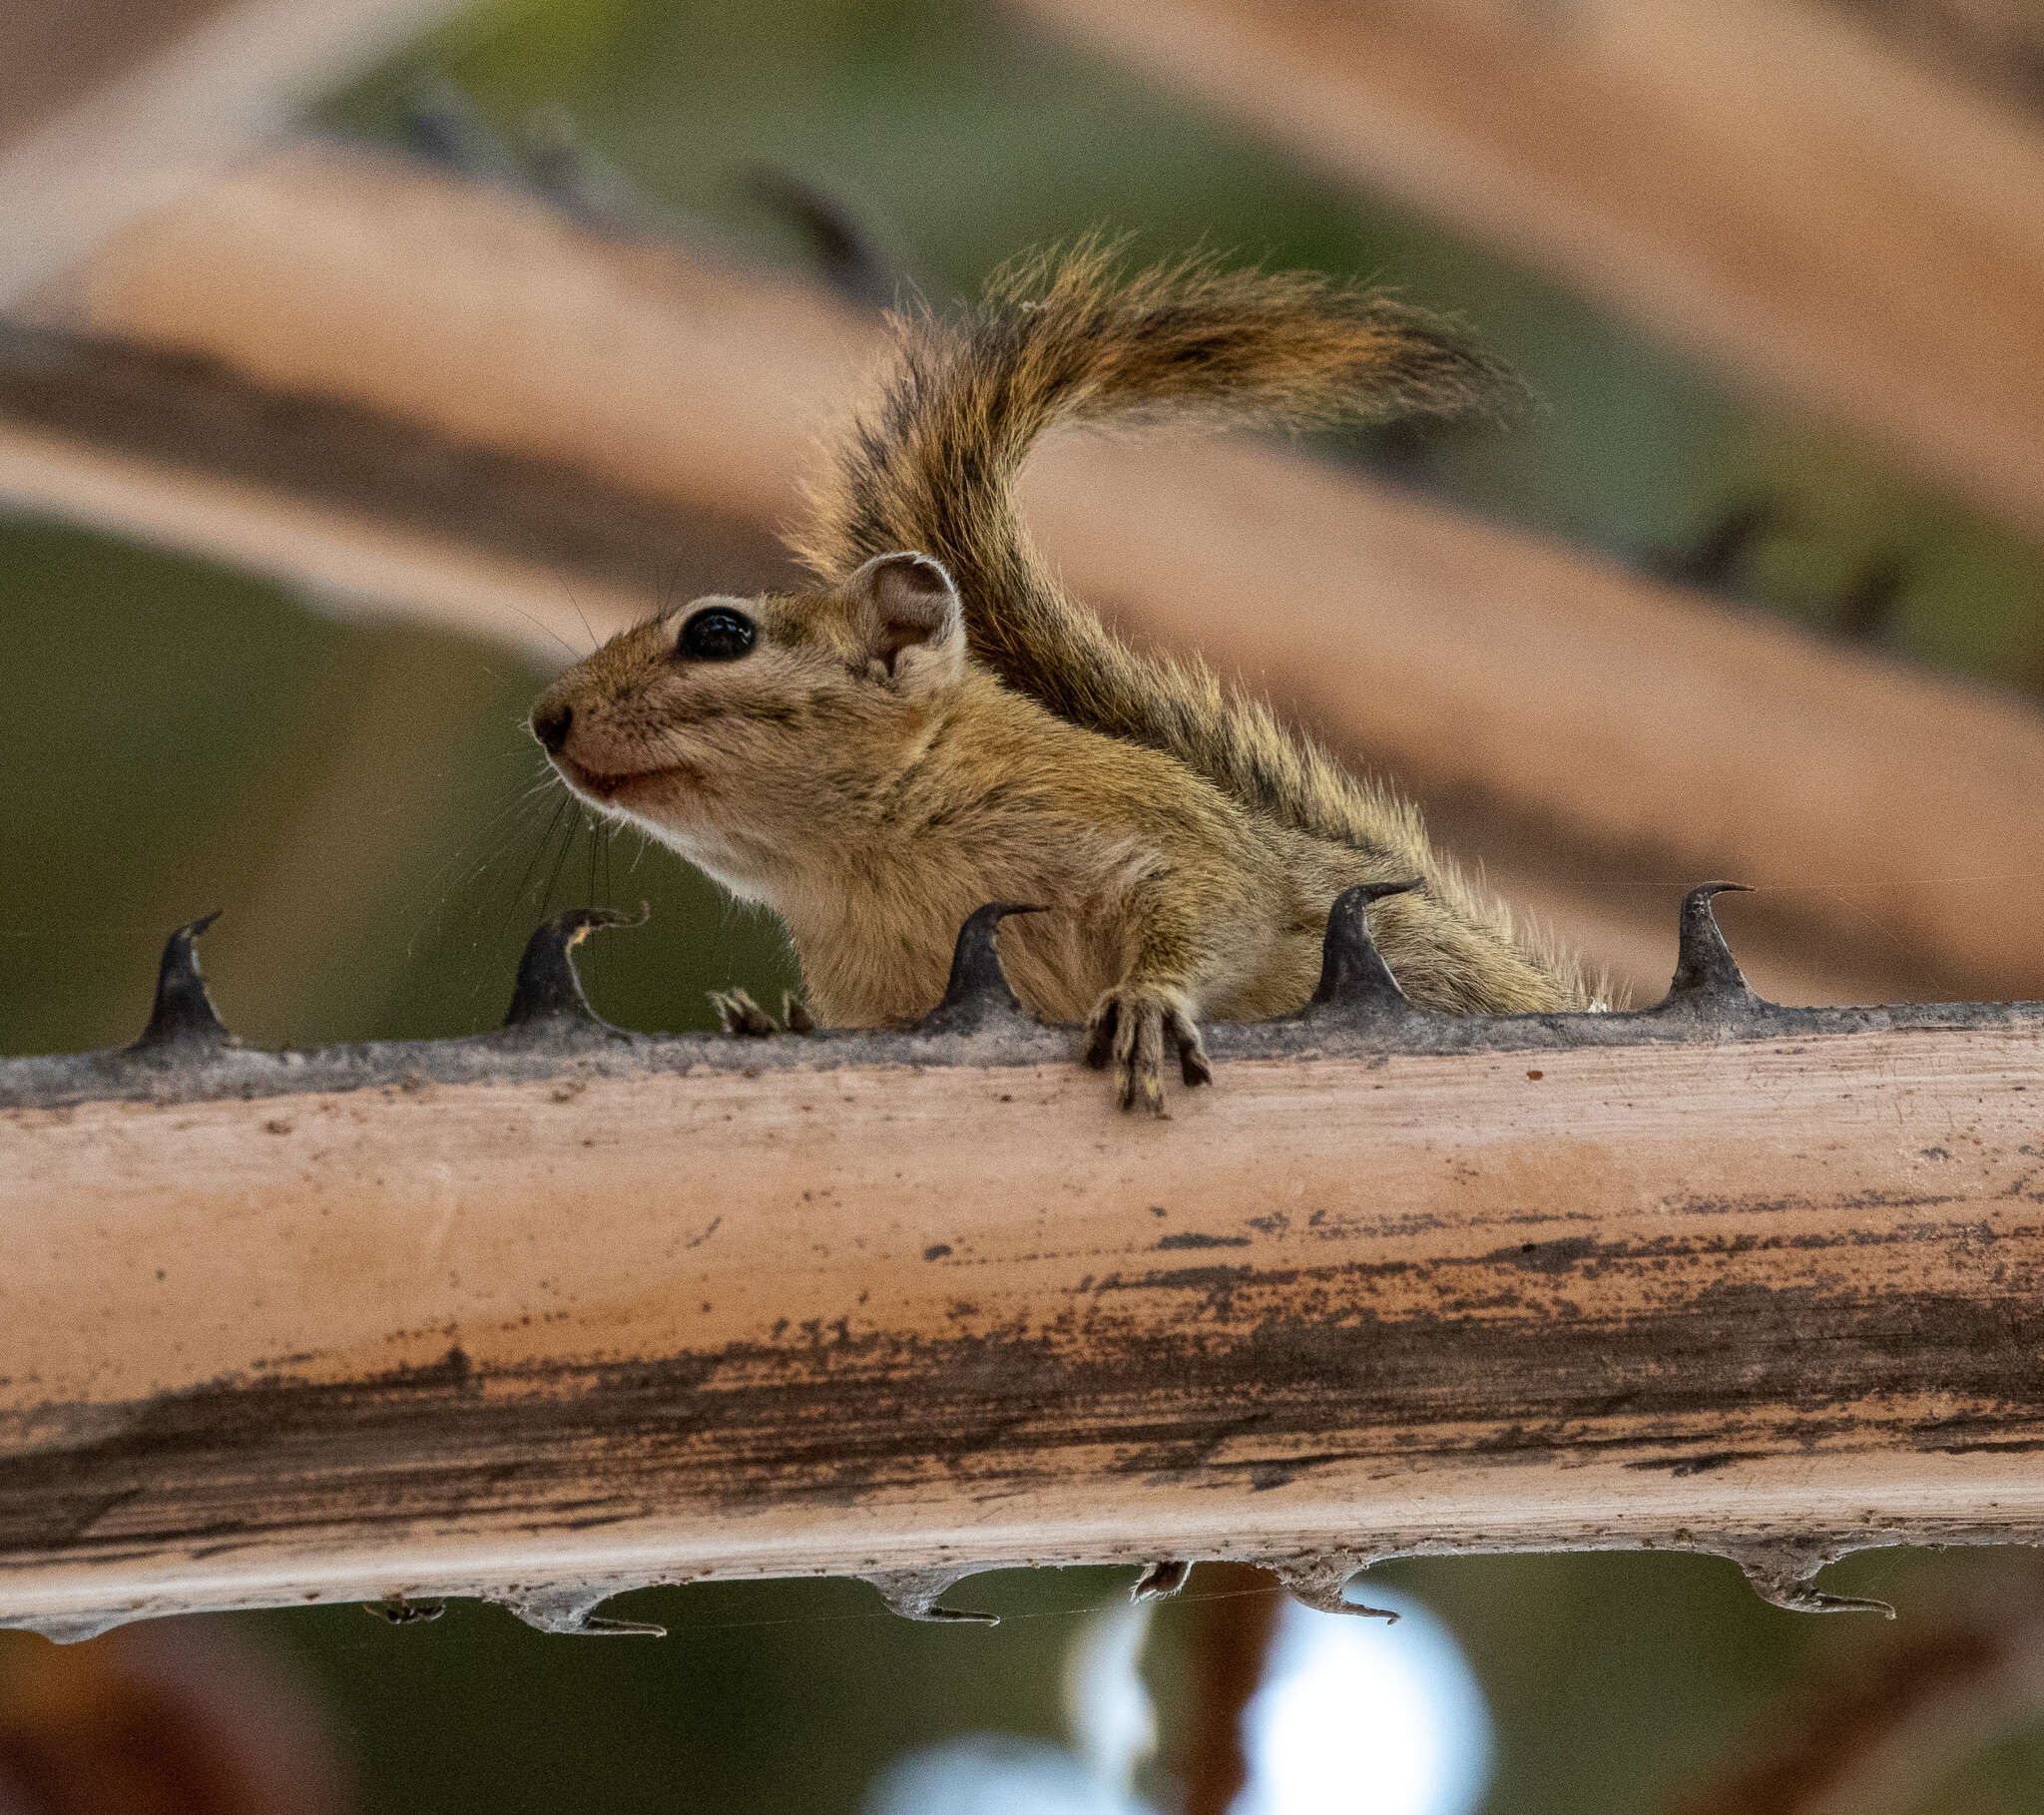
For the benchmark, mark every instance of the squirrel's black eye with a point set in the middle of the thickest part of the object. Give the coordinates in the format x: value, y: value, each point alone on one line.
x: 716, y: 634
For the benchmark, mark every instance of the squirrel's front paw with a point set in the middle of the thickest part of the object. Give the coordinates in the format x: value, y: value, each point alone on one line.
x: 1130, y: 1027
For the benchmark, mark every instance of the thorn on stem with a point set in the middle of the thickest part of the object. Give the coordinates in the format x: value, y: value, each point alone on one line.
x: 1707, y: 976
x: 1160, y: 1579
x: 573, y: 1610
x: 183, y: 1015
x: 401, y: 1611
x: 1322, y: 1584
x: 848, y: 256
x: 1789, y: 1580
x: 1718, y: 560
x: 978, y: 994
x: 547, y: 993
x: 914, y: 1593
x: 1353, y: 974
x: 1868, y: 607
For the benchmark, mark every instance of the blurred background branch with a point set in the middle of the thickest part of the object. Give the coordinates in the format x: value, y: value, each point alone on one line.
x: 112, y: 107
x: 1877, y: 1741
x: 1760, y: 180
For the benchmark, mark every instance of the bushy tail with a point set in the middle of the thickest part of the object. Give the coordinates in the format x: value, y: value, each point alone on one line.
x: 931, y: 465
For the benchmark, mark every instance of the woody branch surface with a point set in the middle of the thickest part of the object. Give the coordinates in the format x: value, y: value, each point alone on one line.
x: 553, y: 1312
x: 1622, y: 728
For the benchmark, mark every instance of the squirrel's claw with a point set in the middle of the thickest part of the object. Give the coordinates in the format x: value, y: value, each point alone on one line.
x: 738, y: 1012
x: 1130, y: 1028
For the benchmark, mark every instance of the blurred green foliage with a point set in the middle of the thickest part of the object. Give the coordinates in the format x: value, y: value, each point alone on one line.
x: 182, y: 738
x: 763, y: 1699
x: 1617, y: 1683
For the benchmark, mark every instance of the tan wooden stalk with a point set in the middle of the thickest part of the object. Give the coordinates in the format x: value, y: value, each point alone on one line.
x: 559, y: 1312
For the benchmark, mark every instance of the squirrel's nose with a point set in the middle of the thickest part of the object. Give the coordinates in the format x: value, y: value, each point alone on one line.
x: 550, y: 726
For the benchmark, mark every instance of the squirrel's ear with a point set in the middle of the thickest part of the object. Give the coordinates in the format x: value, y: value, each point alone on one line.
x: 907, y: 609
x: 911, y: 616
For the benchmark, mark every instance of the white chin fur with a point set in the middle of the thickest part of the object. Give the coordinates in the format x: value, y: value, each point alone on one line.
x: 708, y: 854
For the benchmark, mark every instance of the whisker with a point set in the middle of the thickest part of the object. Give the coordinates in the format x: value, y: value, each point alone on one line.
x: 577, y: 604
x: 539, y: 854
x: 511, y: 839
x: 515, y: 810
x: 541, y: 624
x: 553, y: 879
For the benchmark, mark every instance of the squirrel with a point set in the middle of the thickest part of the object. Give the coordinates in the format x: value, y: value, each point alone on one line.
x: 936, y: 725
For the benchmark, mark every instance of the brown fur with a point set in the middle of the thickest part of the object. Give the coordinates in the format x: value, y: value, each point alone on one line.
x: 931, y: 730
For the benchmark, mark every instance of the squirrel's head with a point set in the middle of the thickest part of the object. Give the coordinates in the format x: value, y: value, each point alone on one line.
x: 745, y: 732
